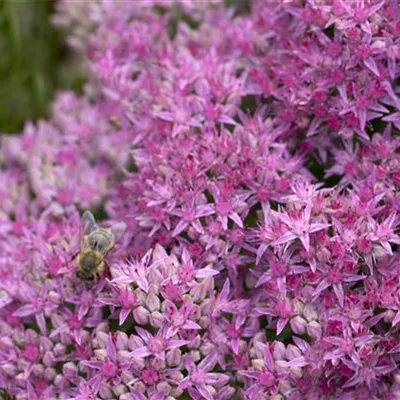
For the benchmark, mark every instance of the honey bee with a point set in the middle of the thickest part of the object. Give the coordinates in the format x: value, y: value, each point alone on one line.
x: 95, y: 243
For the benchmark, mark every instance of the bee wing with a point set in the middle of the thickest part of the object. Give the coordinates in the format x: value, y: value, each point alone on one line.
x: 88, y: 225
x: 118, y: 230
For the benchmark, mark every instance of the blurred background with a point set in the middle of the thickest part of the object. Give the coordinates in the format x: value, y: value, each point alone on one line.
x: 36, y: 60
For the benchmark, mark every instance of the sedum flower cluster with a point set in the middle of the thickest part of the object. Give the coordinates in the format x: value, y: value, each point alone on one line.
x: 253, y: 155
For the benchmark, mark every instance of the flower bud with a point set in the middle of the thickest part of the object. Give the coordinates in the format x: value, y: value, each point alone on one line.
x: 123, y: 355
x: 7, y: 341
x: 22, y: 364
x: 18, y: 338
x: 309, y: 312
x: 138, y: 363
x: 126, y: 377
x: 153, y: 303
x: 119, y: 390
x: 159, y: 363
x: 38, y: 370
x: 46, y: 344
x: 101, y: 354
x: 226, y: 393
x: 280, y: 365
x: 298, y: 325
x: 105, y: 391
x: 122, y: 341
x: 279, y: 351
x: 102, y: 326
x: 173, y: 357
x: 102, y: 339
x: 141, y: 315
x: 20, y: 379
x: 49, y: 374
x: 65, y: 338
x: 323, y: 255
x: 389, y: 315
x: 70, y: 370
x: 53, y: 297
x: 195, y: 355
x: 135, y: 342
x: 296, y: 372
x: 176, y: 375
x: 211, y: 389
x: 258, y: 364
x: 140, y: 386
x: 203, y: 322
x: 156, y: 319
x: 195, y: 342
x: 314, y: 330
x: 164, y: 387
x: 8, y: 369
x: 60, y: 382
x: 49, y: 359
x: 292, y: 352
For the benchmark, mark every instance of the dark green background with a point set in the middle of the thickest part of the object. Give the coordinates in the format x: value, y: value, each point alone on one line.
x: 34, y: 62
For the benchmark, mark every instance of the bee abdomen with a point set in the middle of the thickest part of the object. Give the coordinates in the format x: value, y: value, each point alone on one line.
x: 100, y: 240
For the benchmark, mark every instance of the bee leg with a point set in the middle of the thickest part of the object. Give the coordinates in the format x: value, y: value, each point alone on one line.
x: 75, y: 256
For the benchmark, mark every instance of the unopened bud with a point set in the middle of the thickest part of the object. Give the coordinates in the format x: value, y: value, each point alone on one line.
x: 140, y: 386
x: 38, y: 370
x: 280, y: 365
x: 119, y: 390
x: 309, y: 312
x: 46, y: 344
x: 211, y: 390
x: 195, y: 355
x: 105, y: 391
x: 292, y: 352
x: 174, y: 357
x: 70, y: 370
x: 279, y: 351
x: 122, y: 341
x: 314, y: 330
x: 135, y: 342
x: 296, y: 372
x: 389, y: 315
x: 49, y: 374
x: 153, y: 303
x: 258, y: 364
x: 298, y: 325
x: 195, y: 342
x: 60, y: 382
x: 164, y: 387
x: 141, y: 315
x: 49, y: 359
x: 126, y: 377
x: 101, y: 354
x: 59, y: 350
x: 226, y: 393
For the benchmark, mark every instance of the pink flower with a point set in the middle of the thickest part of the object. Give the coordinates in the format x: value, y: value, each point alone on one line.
x: 299, y: 227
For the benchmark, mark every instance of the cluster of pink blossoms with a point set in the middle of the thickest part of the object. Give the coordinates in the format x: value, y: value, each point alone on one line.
x: 254, y: 156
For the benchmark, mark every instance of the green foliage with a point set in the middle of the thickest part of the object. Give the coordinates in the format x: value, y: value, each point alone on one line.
x: 30, y: 67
